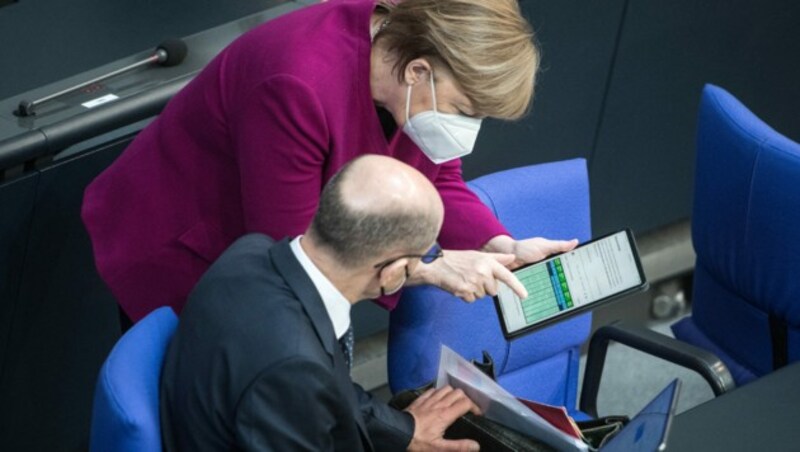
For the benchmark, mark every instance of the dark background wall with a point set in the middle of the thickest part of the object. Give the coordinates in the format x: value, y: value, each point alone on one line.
x: 643, y: 159
x: 619, y: 85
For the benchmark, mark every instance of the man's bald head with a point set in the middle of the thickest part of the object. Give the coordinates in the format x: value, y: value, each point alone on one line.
x: 376, y: 183
x: 376, y: 206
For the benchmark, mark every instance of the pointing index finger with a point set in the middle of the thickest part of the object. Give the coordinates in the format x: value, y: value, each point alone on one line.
x: 503, y: 274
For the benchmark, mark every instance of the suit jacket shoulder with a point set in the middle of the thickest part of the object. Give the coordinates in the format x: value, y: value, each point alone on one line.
x: 255, y: 352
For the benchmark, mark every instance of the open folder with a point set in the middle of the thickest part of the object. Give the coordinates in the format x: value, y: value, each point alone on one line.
x: 647, y: 431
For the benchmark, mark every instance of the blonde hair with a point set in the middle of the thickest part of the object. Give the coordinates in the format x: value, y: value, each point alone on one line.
x: 486, y: 44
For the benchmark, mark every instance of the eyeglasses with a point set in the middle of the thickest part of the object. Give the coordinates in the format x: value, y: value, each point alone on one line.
x: 435, y: 253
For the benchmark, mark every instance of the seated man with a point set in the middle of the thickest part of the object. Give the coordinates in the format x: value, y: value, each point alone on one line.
x: 261, y: 357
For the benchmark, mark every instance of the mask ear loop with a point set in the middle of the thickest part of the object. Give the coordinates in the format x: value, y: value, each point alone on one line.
x: 408, y: 98
x: 410, y: 125
x: 446, y: 130
x: 408, y: 104
x: 433, y: 93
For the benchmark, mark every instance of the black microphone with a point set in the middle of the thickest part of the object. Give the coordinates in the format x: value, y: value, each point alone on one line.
x: 170, y: 52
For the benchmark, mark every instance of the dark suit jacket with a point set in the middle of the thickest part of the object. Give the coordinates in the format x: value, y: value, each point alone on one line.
x: 255, y: 365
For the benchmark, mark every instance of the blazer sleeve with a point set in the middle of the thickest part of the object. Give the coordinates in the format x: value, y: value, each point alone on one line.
x: 468, y: 223
x: 280, y: 139
x: 292, y: 406
x: 389, y: 429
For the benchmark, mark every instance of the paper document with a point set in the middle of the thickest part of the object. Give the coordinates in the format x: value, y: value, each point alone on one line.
x: 498, y: 405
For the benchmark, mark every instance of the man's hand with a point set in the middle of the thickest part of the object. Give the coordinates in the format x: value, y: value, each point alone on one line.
x: 469, y: 275
x: 529, y: 250
x: 433, y: 412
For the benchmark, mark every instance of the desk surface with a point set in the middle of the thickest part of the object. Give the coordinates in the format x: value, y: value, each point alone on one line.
x: 761, y: 416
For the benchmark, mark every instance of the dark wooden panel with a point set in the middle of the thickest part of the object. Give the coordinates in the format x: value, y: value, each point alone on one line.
x: 643, y: 165
x: 577, y: 40
x: 65, y: 322
x: 16, y: 211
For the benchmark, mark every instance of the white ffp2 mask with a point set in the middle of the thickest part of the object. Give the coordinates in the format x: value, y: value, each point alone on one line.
x: 441, y: 136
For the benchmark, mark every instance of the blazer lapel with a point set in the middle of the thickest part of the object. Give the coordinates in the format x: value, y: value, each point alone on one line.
x: 295, y: 276
x: 302, y: 286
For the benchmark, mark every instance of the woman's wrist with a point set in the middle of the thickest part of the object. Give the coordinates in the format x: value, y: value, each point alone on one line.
x: 500, y: 244
x: 423, y: 274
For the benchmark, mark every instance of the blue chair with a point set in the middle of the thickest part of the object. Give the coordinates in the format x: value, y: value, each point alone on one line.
x: 125, y: 416
x: 548, y: 200
x: 746, y: 233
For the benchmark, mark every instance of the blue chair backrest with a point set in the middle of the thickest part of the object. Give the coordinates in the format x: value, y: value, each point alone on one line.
x: 548, y: 200
x: 125, y: 416
x: 746, y: 233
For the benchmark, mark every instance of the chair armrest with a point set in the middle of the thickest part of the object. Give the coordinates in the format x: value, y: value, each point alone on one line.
x: 708, y: 365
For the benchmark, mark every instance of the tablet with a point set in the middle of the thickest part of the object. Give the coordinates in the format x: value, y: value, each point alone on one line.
x: 561, y: 286
x: 648, y: 430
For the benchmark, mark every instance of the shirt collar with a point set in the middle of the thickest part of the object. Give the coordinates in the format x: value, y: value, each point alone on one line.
x: 336, y: 304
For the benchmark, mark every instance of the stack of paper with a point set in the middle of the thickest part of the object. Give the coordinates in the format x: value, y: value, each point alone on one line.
x: 501, y: 407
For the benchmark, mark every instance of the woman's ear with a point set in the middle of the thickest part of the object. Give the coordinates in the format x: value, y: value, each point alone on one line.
x: 417, y: 70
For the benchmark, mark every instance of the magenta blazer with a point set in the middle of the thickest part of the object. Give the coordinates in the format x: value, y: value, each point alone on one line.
x: 247, y: 147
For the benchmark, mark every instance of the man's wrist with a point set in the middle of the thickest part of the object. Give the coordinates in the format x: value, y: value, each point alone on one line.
x: 413, y: 442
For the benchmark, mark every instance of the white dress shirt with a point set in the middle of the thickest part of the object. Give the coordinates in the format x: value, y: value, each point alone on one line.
x: 336, y: 304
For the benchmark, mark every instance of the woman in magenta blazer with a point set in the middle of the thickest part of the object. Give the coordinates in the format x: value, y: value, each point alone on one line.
x: 250, y: 142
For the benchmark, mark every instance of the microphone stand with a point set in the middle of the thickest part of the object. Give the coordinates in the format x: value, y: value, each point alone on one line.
x: 169, y: 53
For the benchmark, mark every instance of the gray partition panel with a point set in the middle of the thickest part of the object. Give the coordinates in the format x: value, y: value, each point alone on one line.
x: 16, y: 212
x: 577, y: 40
x: 66, y: 321
x: 643, y: 165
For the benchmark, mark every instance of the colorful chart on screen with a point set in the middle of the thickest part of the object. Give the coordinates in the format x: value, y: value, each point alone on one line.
x: 598, y: 271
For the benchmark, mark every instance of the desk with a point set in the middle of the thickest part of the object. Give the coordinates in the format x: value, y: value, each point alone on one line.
x: 761, y: 416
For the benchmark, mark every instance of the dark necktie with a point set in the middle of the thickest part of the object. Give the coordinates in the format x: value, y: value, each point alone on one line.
x: 347, y: 342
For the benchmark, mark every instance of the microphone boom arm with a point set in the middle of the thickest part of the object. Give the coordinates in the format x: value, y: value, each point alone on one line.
x: 168, y: 53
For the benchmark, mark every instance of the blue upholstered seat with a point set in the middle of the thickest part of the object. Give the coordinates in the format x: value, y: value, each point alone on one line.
x: 746, y: 233
x: 125, y: 417
x: 549, y: 200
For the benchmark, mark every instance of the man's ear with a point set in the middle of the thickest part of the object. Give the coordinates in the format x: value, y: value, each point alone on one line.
x: 417, y: 70
x: 390, y: 274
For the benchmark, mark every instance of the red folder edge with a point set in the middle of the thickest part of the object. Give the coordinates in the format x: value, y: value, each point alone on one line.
x: 556, y: 415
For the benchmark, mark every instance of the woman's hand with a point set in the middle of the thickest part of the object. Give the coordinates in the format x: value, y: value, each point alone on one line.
x: 469, y: 275
x: 529, y: 250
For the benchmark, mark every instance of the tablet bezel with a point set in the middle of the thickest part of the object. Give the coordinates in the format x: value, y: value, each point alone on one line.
x: 574, y: 311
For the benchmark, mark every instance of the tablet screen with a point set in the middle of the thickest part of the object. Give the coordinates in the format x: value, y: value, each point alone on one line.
x: 595, y: 271
x: 649, y: 429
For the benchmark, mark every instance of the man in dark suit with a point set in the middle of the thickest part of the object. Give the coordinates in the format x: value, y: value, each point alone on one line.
x: 261, y: 357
